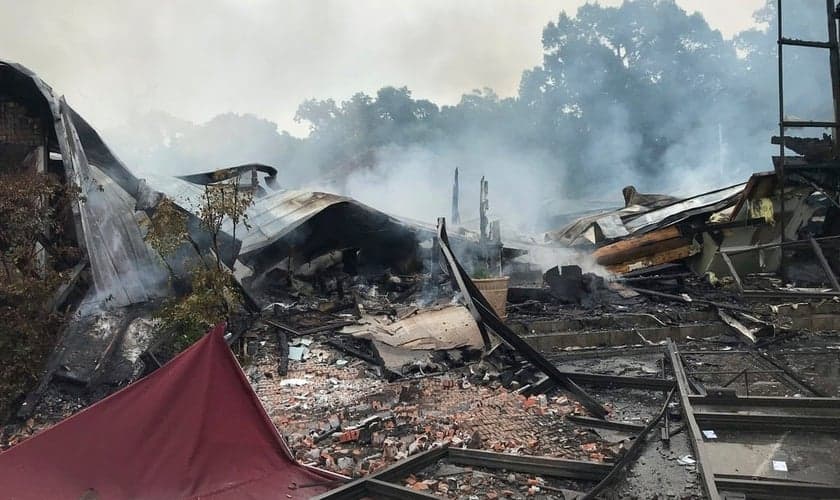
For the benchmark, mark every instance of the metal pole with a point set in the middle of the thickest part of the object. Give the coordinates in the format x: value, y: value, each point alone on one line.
x: 781, y: 141
x: 834, y: 62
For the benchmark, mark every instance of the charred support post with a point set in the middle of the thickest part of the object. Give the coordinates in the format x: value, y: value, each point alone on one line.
x: 483, y: 205
x: 282, y: 353
x: 781, y: 135
x: 456, y: 213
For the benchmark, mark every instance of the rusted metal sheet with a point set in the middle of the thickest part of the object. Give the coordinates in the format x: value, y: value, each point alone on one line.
x: 704, y: 203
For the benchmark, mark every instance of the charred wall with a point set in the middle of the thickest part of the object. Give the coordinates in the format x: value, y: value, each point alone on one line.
x: 22, y: 132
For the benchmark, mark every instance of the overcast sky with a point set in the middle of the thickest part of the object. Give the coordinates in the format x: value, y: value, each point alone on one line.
x: 196, y: 59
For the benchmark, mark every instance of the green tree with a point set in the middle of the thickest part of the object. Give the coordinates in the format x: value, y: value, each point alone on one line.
x: 214, y: 295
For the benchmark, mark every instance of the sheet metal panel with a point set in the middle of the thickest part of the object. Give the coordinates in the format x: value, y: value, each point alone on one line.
x: 672, y: 213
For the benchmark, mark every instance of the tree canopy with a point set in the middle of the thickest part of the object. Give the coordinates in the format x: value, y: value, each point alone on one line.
x: 640, y: 93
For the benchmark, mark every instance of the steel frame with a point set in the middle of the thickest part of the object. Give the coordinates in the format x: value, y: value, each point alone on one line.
x: 753, y: 487
x: 381, y: 484
x: 696, y: 441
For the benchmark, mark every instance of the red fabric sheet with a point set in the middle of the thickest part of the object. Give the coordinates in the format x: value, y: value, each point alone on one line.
x: 192, y: 429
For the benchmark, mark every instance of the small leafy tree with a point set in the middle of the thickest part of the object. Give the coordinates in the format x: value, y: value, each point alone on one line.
x: 214, y: 294
x: 33, y: 254
x: 221, y: 201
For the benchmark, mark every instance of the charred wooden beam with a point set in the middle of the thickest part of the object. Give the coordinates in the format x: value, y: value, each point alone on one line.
x: 639, y: 246
x: 663, y: 257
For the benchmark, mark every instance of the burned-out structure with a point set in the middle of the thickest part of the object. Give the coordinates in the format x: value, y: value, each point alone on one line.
x: 679, y: 347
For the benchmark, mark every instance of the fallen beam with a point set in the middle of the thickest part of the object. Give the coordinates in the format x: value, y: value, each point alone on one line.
x: 477, y: 301
x: 381, y: 489
x: 378, y: 485
x: 744, y: 333
x: 656, y: 259
x: 281, y: 326
x: 403, y: 468
x: 632, y: 452
x: 546, y: 384
x: 732, y: 420
x: 788, y: 295
x: 824, y: 263
x: 348, y: 349
x: 636, y: 247
x: 802, y: 243
x: 732, y: 271
x: 764, y: 489
x: 766, y: 401
x: 541, y: 466
x: 606, y: 424
x: 539, y: 361
x: 680, y: 298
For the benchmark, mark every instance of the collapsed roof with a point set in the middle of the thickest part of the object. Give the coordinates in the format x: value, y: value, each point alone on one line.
x: 125, y: 270
x: 637, y: 219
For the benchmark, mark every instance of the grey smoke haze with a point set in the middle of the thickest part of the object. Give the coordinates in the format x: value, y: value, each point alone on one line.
x: 185, y: 87
x: 196, y: 59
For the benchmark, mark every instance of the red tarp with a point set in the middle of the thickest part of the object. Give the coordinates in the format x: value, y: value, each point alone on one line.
x: 193, y: 428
